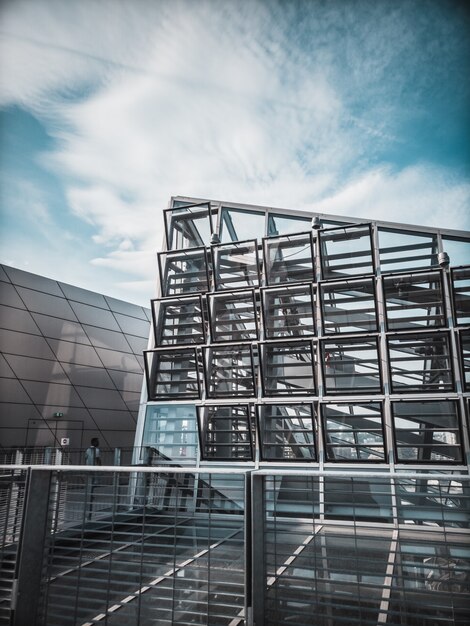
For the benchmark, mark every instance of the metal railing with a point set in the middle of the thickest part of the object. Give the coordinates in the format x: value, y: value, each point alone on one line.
x: 154, y: 546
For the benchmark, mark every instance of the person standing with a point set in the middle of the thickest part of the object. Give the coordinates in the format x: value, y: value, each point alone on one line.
x: 92, y: 454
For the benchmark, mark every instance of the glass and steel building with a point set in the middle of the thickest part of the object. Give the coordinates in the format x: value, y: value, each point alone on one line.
x: 302, y: 445
x: 325, y: 360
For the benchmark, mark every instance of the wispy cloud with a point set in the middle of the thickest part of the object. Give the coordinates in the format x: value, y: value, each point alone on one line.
x: 271, y: 103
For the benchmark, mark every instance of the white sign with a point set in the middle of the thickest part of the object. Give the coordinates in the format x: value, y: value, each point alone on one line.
x: 65, y: 441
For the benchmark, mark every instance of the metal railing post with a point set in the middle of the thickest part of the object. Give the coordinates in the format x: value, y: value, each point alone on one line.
x: 258, y: 564
x: 25, y: 601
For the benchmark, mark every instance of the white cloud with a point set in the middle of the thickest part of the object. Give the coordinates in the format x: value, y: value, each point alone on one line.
x: 218, y: 100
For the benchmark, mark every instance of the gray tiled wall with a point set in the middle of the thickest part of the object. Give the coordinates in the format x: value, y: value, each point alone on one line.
x: 72, y: 351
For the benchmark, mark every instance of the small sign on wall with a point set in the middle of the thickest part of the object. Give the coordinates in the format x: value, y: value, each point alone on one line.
x: 65, y: 441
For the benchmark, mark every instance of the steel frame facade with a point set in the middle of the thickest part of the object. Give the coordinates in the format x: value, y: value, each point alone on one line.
x: 387, y: 325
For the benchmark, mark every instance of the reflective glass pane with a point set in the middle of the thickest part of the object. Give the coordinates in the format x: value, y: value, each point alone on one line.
x: 288, y: 368
x: 351, y: 365
x: 227, y: 433
x: 183, y: 272
x: 424, y: 500
x: 229, y: 371
x: 346, y: 251
x: 414, y: 300
x: 289, y: 259
x: 236, y: 265
x: 404, y: 250
x: 170, y: 432
x: 284, y: 224
x: 353, y: 432
x: 465, y: 347
x: 288, y: 312
x: 457, y: 249
x: 349, y: 307
x: 427, y: 431
x: 233, y: 316
x: 188, y: 226
x: 178, y: 321
x: 172, y: 373
x: 241, y: 224
x: 420, y: 362
x: 287, y: 432
x: 461, y: 289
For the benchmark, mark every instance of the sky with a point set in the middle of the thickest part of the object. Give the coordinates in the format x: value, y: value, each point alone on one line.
x: 110, y: 107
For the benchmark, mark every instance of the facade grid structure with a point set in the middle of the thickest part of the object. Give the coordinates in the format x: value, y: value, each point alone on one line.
x: 328, y: 356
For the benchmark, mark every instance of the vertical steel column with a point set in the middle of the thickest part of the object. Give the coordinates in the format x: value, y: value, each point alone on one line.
x: 258, y: 556
x: 25, y: 602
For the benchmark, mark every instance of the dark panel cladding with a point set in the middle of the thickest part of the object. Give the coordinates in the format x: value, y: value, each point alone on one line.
x: 69, y: 363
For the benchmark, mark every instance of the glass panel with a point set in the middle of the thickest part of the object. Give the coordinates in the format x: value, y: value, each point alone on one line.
x: 404, y: 250
x: 172, y: 373
x: 229, y: 371
x: 289, y: 259
x: 351, y: 365
x: 227, y: 433
x: 349, y: 307
x: 346, y: 251
x: 430, y: 580
x: 288, y: 312
x: 283, y: 224
x: 353, y: 432
x: 457, y: 249
x: 236, y: 265
x: 178, y: 321
x: 420, y: 362
x: 461, y: 285
x: 183, y: 272
x: 189, y: 226
x: 414, y: 300
x: 287, y: 432
x: 465, y: 346
x: 241, y: 224
x: 432, y: 502
x: 427, y: 431
x: 170, y: 432
x: 233, y: 316
x: 288, y: 368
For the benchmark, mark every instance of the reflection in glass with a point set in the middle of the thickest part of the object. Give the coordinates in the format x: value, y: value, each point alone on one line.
x: 178, y: 321
x: 239, y: 224
x: 403, y: 250
x: 461, y: 284
x: 427, y: 431
x: 229, y: 371
x: 414, y: 300
x: 289, y: 259
x: 233, y: 316
x: 288, y: 312
x: 170, y: 432
x: 353, y: 432
x: 465, y: 347
x: 172, y: 373
x: 188, y: 226
x: 288, y: 368
x: 183, y: 272
x: 287, y: 432
x: 351, y: 365
x: 420, y: 362
x: 286, y: 224
x: 349, y: 307
x: 458, y: 250
x: 226, y: 433
x: 236, y: 265
x: 346, y: 251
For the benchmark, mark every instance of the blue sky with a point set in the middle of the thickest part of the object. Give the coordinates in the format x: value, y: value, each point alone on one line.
x: 107, y: 108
